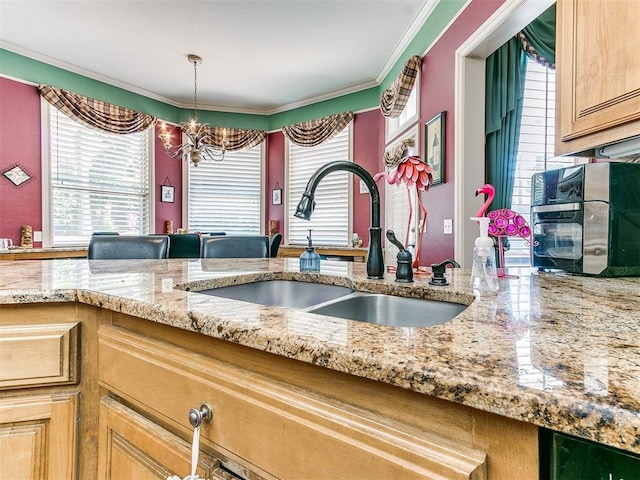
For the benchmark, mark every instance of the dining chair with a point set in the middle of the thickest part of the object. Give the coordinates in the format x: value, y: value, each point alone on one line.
x: 103, y: 247
x: 235, y: 246
x: 274, y: 245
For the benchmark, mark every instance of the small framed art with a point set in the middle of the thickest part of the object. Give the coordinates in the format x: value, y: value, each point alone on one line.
x: 16, y: 175
x: 276, y: 196
x: 434, y: 147
x: 167, y: 193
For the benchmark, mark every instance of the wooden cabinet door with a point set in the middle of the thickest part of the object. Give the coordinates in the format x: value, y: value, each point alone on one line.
x: 598, y: 73
x: 131, y: 446
x: 38, y: 437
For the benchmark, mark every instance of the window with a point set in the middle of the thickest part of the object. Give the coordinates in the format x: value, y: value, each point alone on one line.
x: 96, y: 181
x: 226, y: 196
x: 399, y: 200
x: 535, y: 148
x: 409, y: 115
x: 331, y: 219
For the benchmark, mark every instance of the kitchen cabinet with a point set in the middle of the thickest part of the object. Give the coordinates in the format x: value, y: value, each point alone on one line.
x: 278, y: 418
x: 598, y: 73
x: 38, y: 436
x: 46, y: 405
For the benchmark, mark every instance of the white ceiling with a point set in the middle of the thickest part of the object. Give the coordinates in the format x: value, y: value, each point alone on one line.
x: 259, y: 56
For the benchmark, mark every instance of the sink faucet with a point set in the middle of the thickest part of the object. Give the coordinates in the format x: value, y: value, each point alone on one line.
x: 375, y: 264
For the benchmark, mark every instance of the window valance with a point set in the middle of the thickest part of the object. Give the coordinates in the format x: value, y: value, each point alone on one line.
x: 314, y: 132
x: 393, y: 156
x: 235, y: 138
x: 538, y: 39
x: 96, y: 113
x: 394, y: 98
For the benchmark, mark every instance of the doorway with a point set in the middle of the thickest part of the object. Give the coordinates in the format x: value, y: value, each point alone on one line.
x: 469, y: 136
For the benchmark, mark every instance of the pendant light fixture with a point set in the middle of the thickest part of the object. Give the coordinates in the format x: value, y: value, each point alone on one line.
x: 200, y: 139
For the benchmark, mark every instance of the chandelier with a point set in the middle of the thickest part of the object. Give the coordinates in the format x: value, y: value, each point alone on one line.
x: 201, y: 143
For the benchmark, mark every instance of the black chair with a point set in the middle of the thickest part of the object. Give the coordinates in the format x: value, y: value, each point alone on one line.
x: 274, y: 245
x: 103, y: 247
x: 185, y: 245
x: 235, y: 246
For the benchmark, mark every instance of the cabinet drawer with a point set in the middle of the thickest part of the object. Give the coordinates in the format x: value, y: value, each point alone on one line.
x: 132, y: 446
x: 36, y: 355
x: 272, y: 428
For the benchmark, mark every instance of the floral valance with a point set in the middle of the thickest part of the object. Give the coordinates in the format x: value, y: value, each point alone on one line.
x: 314, y: 132
x: 96, y: 113
x: 394, y: 99
x: 394, y: 155
x: 235, y: 138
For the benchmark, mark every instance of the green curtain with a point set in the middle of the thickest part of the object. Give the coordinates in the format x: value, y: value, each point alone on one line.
x: 541, y: 35
x: 505, y: 77
x: 505, y: 71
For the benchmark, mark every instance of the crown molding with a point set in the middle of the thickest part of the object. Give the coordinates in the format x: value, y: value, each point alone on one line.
x: 182, y: 105
x: 85, y: 73
x: 404, y: 42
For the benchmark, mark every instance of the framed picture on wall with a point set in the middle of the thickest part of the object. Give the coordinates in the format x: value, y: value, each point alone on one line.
x: 276, y: 196
x: 167, y: 193
x: 434, y: 147
x: 16, y: 175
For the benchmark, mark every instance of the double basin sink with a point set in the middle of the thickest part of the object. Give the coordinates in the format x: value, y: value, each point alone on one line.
x: 342, y: 302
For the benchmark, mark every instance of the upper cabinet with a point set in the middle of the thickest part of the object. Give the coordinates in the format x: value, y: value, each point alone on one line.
x: 598, y: 73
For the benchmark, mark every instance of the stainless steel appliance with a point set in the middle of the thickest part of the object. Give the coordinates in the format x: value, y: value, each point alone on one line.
x: 586, y: 219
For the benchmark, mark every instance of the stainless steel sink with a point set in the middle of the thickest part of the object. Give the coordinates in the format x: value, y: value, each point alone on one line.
x: 390, y: 310
x: 342, y: 302
x: 281, y: 293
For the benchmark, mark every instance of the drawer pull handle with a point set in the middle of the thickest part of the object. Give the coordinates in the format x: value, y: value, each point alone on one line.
x: 196, y: 417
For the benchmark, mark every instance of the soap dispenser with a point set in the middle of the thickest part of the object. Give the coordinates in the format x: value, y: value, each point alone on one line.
x: 309, y: 260
x: 484, y: 277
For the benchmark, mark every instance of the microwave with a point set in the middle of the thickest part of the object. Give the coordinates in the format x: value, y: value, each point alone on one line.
x: 586, y: 219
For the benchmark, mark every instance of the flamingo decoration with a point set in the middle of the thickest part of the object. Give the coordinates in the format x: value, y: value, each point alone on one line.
x: 503, y: 223
x: 413, y: 172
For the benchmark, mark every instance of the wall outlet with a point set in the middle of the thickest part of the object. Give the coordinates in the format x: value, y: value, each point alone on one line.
x: 167, y: 285
x: 37, y: 236
x: 363, y: 187
x: 448, y: 226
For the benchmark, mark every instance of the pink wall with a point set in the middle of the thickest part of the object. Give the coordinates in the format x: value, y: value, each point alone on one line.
x: 275, y: 174
x: 437, y: 95
x: 168, y: 171
x: 368, y: 128
x: 20, y: 144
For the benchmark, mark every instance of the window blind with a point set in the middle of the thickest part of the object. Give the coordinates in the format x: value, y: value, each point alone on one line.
x: 397, y: 208
x: 226, y: 196
x: 330, y: 220
x: 99, y: 181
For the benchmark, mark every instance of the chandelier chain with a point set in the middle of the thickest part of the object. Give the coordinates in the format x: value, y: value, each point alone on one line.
x: 195, y: 90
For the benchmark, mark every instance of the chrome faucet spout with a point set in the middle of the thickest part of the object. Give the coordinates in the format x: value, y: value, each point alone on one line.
x: 375, y: 263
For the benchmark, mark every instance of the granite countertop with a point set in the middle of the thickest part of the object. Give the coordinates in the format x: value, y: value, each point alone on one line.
x: 555, y: 350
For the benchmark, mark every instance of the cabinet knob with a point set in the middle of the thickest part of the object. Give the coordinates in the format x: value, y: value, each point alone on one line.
x: 196, y: 417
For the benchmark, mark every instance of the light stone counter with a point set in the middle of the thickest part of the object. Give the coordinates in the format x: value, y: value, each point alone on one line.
x: 558, y: 351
